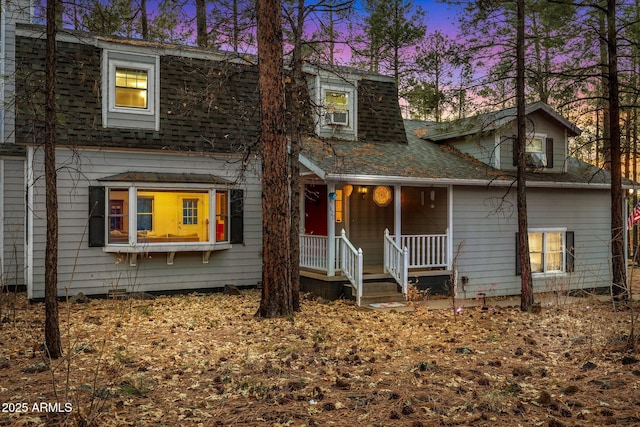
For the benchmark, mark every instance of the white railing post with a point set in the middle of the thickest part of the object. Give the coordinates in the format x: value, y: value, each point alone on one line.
x: 359, y: 276
x: 405, y: 271
x: 386, y: 262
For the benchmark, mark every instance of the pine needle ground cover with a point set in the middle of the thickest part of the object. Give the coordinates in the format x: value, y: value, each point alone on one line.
x: 205, y: 360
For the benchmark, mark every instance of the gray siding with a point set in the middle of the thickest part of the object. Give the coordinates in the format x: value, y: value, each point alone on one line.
x: 13, y: 227
x: 539, y: 123
x: 92, y: 271
x: 487, y: 236
x: 480, y: 146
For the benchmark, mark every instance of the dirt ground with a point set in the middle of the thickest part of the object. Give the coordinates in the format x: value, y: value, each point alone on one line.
x: 205, y: 360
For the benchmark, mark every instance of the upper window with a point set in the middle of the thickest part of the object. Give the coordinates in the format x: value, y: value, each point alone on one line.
x: 535, y: 145
x: 536, y: 152
x: 131, y: 88
x: 336, y: 107
x: 336, y: 113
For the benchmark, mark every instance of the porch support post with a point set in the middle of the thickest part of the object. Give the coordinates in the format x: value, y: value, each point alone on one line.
x: 450, y: 228
x: 331, y: 231
x: 397, y: 199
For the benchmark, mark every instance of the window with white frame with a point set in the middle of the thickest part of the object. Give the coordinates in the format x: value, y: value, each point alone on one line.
x: 551, y: 251
x: 130, y: 87
x: 538, y: 151
x: 338, y: 106
x: 535, y: 144
x: 153, y: 216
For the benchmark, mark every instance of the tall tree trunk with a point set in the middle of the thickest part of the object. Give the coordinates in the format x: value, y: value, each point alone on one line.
x: 201, y: 23
x: 52, y: 325
x: 634, y: 176
x: 606, y: 117
x: 526, y: 278
x: 332, y: 34
x: 627, y: 145
x: 618, y: 259
x: 144, y: 20
x: 277, y: 290
x: 236, y: 26
x: 297, y: 109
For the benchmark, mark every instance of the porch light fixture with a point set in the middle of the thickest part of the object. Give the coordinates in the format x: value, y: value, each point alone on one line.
x: 382, y: 195
x: 362, y: 190
x: 348, y: 189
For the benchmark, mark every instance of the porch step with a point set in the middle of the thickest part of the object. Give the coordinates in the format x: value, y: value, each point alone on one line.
x: 380, y: 292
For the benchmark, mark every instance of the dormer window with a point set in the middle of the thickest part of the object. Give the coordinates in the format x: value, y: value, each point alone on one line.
x: 337, y: 108
x: 336, y: 113
x: 538, y: 151
x: 130, y: 91
x: 534, y: 145
x: 131, y: 88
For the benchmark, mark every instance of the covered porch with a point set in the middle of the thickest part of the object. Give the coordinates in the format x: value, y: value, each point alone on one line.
x: 357, y: 234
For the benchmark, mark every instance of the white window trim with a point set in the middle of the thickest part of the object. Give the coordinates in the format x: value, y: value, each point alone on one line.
x: 556, y: 273
x: 135, y: 247
x: 109, y: 87
x: 541, y: 136
x: 351, y: 94
x: 151, y: 87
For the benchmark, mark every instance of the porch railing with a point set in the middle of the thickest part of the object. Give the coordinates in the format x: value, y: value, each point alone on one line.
x: 396, y: 261
x: 425, y: 250
x: 351, y: 264
x: 313, y: 252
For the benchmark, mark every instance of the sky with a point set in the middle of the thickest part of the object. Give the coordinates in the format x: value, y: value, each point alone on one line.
x: 439, y: 16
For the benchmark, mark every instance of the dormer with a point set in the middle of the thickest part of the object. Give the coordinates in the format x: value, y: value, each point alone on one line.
x: 131, y: 90
x: 335, y: 101
x: 491, y: 137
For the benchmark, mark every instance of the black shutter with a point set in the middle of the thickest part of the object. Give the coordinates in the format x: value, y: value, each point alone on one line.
x: 237, y: 216
x: 96, y: 216
x: 517, y: 255
x: 549, y: 150
x: 570, y: 251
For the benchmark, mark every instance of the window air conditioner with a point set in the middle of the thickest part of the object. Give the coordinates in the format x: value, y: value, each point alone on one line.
x: 340, y: 118
x: 536, y: 160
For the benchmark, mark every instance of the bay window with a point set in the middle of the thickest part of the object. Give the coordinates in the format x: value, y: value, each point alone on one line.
x: 165, y: 216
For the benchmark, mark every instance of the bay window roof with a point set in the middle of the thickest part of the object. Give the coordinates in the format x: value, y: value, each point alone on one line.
x: 178, y: 178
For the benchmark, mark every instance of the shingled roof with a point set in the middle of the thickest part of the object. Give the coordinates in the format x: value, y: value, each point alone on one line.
x: 427, y: 162
x: 492, y: 121
x: 206, y: 105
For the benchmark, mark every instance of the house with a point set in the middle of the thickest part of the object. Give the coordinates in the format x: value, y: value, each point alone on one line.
x: 159, y: 180
x: 436, y: 208
x: 158, y: 169
x: 159, y: 183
